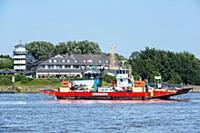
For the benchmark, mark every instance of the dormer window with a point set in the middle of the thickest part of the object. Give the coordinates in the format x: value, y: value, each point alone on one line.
x: 89, y: 61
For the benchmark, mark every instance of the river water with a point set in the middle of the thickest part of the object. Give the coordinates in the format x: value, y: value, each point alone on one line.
x: 38, y: 113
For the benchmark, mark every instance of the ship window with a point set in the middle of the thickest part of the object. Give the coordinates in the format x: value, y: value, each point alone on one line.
x: 117, y: 72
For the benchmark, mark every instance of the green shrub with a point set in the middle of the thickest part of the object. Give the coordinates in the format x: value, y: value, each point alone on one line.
x: 5, y: 80
x: 108, y: 78
x: 20, y: 77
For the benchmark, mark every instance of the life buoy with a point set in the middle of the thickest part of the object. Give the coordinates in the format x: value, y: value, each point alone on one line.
x: 139, y: 83
x: 65, y: 83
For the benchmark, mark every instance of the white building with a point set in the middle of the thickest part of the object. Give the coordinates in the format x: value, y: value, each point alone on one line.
x: 19, y: 56
x: 71, y: 65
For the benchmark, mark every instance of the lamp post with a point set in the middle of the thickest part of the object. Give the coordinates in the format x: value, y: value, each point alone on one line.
x: 13, y: 82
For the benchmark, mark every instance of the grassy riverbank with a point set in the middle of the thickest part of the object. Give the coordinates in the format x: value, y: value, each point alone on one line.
x: 34, y: 85
x: 31, y: 86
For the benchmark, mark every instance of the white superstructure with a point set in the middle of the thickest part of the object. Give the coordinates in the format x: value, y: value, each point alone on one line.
x: 123, y: 79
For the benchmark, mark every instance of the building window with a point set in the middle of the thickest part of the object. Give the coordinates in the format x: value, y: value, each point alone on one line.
x: 99, y: 66
x: 58, y: 66
x: 99, y: 61
x: 54, y: 61
x: 50, y: 61
x: 42, y: 66
x: 63, y: 61
x: 50, y: 67
x: 84, y: 61
x: 83, y: 67
x: 75, y: 61
x: 106, y: 61
x: 76, y: 67
x: 68, y: 61
x: 67, y: 67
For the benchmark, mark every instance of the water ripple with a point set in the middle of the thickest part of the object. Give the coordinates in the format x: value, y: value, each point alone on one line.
x: 37, y: 113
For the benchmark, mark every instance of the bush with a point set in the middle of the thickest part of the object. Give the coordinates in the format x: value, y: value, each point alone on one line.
x: 5, y: 80
x: 108, y: 78
x: 20, y: 77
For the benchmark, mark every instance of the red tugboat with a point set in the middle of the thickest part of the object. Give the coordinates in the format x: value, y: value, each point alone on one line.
x: 122, y: 89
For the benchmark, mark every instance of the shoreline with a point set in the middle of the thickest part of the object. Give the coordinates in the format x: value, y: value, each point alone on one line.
x: 36, y: 89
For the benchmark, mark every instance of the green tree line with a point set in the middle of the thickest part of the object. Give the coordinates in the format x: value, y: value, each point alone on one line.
x: 174, y: 67
x: 42, y: 49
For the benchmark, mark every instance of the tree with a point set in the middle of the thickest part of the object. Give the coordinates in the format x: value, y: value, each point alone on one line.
x: 6, y: 62
x: 173, y: 67
x: 40, y: 49
x: 77, y: 47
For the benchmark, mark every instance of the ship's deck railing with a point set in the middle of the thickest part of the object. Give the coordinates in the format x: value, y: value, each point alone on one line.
x: 159, y: 85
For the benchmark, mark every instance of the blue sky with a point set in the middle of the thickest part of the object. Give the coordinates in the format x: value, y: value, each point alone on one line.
x: 129, y: 24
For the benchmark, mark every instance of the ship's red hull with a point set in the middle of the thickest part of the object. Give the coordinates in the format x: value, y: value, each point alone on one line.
x: 116, y: 95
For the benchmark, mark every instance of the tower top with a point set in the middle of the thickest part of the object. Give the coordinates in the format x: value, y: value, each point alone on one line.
x: 20, y: 44
x: 112, y: 57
